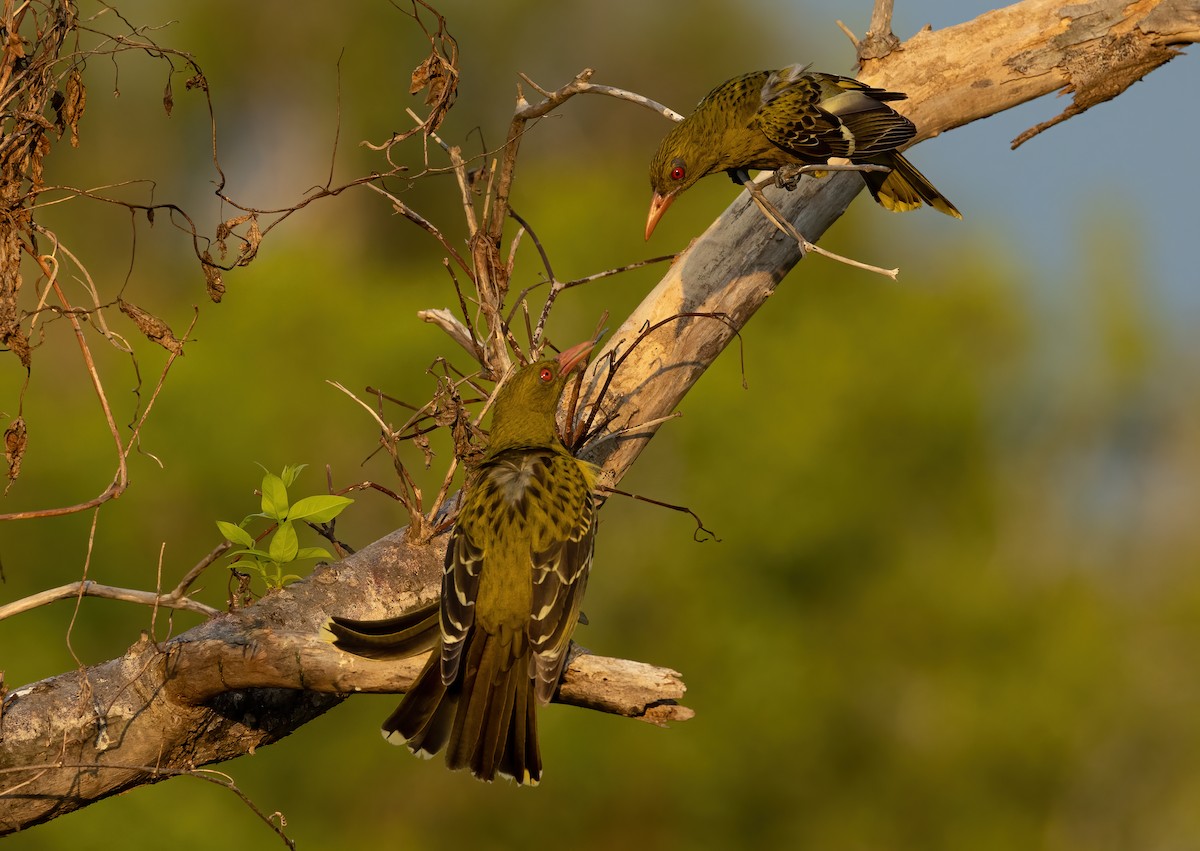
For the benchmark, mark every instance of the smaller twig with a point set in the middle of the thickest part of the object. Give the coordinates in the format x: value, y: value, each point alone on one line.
x: 513, y: 245
x: 91, y: 588
x: 459, y: 167
x: 574, y: 423
x: 771, y: 212
x: 382, y: 397
x: 459, y: 333
x: 162, y: 550
x: 97, y: 316
x: 629, y: 267
x: 682, y: 509
x: 199, y: 567
x: 162, y: 378
x: 535, y: 336
x: 440, y: 499
x: 207, y: 774
x: 337, y: 122
x: 526, y: 112
x: 632, y: 429
x: 421, y: 222
x: 487, y: 191
x: 1070, y: 112
x: 87, y: 563
x: 414, y: 507
x: 386, y: 491
x: 121, y: 478
x: 849, y: 33
x: 587, y: 279
x: 384, y: 427
x: 466, y: 314
x: 614, y: 362
x: 581, y: 86
x: 634, y: 97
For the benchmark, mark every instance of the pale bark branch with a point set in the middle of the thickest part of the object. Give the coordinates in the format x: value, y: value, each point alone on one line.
x: 246, y: 679
x: 952, y: 77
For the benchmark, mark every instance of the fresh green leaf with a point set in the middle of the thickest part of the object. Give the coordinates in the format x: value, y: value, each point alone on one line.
x: 318, y: 509
x: 274, y: 497
x: 284, y: 544
x: 290, y: 472
x: 312, y: 552
x: 288, y: 579
x: 249, y: 565
x: 235, y: 534
x: 252, y: 553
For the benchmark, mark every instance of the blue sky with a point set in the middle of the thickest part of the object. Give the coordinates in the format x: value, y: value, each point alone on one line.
x: 1130, y: 163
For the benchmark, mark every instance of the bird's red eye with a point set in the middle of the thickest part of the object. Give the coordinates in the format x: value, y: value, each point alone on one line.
x: 547, y: 374
x: 677, y: 173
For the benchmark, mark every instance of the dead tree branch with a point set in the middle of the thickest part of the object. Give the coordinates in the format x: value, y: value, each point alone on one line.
x: 243, y: 680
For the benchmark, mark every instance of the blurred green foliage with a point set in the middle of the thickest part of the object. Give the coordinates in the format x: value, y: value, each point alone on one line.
x: 954, y: 603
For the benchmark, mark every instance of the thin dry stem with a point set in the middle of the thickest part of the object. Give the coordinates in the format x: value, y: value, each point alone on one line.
x: 421, y: 222
x: 458, y: 332
x: 780, y: 221
x: 91, y: 588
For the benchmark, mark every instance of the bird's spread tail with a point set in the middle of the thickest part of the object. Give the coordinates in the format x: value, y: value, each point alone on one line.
x: 904, y: 188
x: 425, y: 716
x: 485, y: 720
x: 495, y: 728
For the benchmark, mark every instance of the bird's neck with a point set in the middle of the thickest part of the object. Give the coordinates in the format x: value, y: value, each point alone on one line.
x: 734, y: 140
x: 522, y: 426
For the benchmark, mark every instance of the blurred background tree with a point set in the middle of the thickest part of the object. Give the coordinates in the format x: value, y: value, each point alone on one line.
x: 955, y: 599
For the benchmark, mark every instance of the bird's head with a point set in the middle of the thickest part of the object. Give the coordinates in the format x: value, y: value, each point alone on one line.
x: 681, y: 160
x: 526, y: 405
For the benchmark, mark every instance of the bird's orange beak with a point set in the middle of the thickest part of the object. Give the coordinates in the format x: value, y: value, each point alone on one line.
x: 570, y: 358
x: 658, y: 206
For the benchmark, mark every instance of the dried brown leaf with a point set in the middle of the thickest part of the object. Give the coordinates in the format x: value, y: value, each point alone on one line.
x: 74, y: 102
x: 15, y: 440
x: 225, y: 230
x: 421, y: 441
x: 35, y: 162
x: 250, y: 246
x: 212, y: 278
x: 197, y: 81
x: 154, y: 328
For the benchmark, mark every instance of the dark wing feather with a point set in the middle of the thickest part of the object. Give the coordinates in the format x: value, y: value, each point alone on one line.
x: 792, y: 118
x: 561, y: 558
x: 817, y: 116
x: 460, y: 587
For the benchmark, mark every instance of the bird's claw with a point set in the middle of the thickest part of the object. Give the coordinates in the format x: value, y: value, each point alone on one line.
x: 788, y: 176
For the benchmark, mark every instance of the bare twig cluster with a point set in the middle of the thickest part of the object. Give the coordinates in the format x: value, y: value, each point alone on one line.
x: 493, y: 327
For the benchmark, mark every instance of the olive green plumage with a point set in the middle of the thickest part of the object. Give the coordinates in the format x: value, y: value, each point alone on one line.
x: 515, y: 573
x: 771, y: 119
